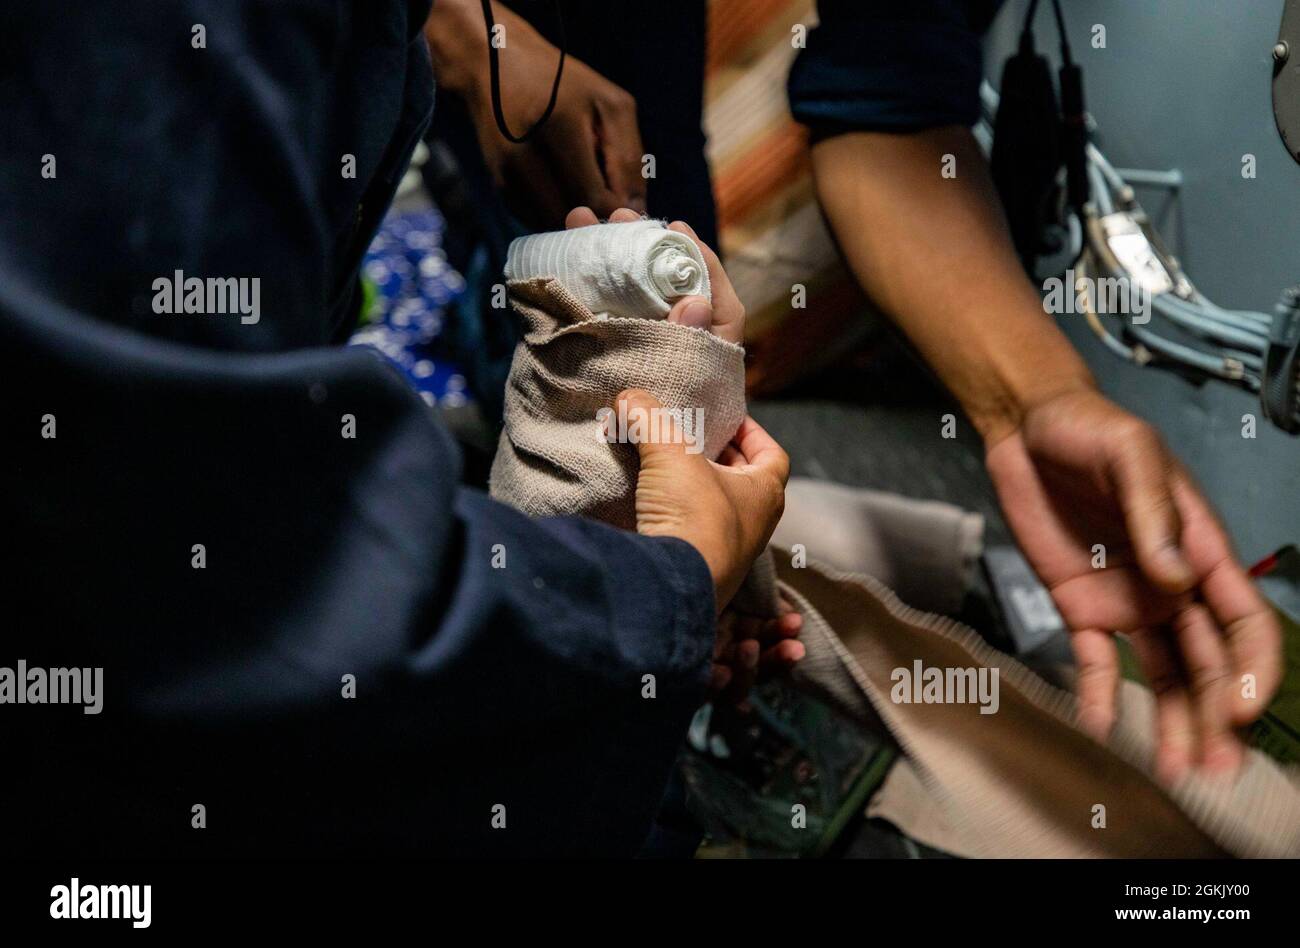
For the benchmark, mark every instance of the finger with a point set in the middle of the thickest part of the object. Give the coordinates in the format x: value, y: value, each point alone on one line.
x: 578, y: 169
x: 766, y: 629
x: 623, y: 215
x: 531, y: 186
x: 749, y: 627
x: 724, y: 634
x: 789, y: 625
x: 1174, y: 724
x: 783, y: 655
x: 760, y: 449
x: 1098, y: 664
x: 619, y: 139
x: 719, y: 282
x: 744, y: 671
x: 693, y: 311
x: 772, y: 632
x: 1116, y: 598
x: 719, y: 678
x: 1254, y: 640
x: 665, y: 441
x: 786, y: 626
x: 729, y: 312
x: 1254, y: 636
x: 580, y: 217
x: 1143, y: 473
x: 730, y: 457
x: 1205, y: 663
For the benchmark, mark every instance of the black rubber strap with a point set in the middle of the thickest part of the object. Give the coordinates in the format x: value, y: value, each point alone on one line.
x: 494, y: 76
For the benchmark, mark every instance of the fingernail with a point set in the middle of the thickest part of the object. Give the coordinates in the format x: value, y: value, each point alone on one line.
x: 698, y: 314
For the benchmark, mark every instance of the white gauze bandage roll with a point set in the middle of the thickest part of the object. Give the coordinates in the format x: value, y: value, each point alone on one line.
x: 636, y: 269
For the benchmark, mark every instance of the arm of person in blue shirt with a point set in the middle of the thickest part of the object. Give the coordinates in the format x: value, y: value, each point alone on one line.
x: 321, y: 635
x: 890, y: 91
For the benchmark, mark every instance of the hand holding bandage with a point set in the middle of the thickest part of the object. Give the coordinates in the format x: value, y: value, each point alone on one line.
x: 605, y: 345
x: 596, y: 323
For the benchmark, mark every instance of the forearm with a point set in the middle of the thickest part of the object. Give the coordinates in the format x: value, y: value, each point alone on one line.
x: 933, y: 253
x: 457, y: 39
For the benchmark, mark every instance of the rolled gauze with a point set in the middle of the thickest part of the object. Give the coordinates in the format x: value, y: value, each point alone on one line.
x: 635, y: 269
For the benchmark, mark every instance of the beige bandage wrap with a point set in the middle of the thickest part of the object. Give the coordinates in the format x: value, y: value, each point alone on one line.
x: 1024, y: 782
x: 555, y: 456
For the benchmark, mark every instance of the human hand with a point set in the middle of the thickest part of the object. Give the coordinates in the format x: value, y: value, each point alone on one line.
x: 749, y: 646
x: 588, y: 152
x: 746, y: 644
x: 1080, y: 472
x: 726, y: 509
x: 724, y: 316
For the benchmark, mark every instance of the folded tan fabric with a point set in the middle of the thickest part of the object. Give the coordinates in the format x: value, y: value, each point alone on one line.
x: 924, y: 550
x: 1010, y: 776
x: 1023, y: 781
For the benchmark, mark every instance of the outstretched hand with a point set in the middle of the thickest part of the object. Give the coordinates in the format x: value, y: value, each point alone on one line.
x: 1123, y: 539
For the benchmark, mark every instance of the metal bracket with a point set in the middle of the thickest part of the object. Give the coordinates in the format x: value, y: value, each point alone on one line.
x: 1286, y: 78
x: 1171, y: 180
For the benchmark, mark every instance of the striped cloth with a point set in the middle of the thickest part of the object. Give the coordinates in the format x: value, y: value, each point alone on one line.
x: 803, y: 308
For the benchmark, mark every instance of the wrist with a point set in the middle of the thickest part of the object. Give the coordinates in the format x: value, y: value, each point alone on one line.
x: 1006, y: 374
x: 1009, y: 396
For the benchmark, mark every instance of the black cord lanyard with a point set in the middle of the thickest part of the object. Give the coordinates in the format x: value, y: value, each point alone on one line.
x: 1073, y: 113
x: 1060, y: 28
x: 494, y: 70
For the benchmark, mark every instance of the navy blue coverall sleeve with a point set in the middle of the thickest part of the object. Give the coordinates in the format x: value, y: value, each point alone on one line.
x: 325, y: 641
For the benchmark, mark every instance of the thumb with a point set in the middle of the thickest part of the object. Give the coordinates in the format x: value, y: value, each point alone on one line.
x: 694, y: 311
x: 1143, y: 474
x: 652, y: 429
